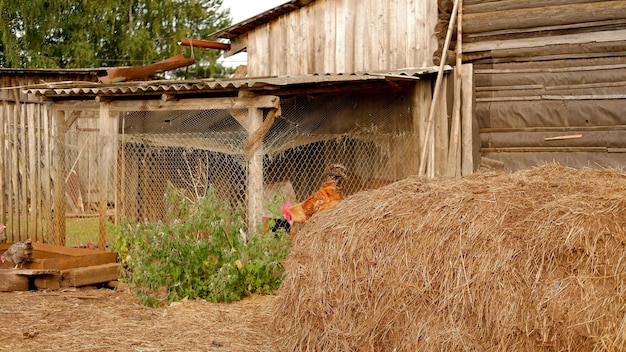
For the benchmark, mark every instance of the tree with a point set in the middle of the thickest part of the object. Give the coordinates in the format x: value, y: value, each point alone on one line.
x: 107, y: 33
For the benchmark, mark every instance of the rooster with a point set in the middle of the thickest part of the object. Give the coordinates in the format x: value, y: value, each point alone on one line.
x: 327, y: 197
x: 3, y: 235
x: 19, y: 253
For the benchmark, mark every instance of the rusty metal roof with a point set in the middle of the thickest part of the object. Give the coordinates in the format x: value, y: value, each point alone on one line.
x: 85, y: 89
x: 262, y: 18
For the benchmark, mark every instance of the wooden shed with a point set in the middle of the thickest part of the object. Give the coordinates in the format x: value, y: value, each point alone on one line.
x: 329, y: 36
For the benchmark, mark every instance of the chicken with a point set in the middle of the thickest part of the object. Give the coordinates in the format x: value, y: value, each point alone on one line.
x: 19, y: 253
x: 3, y: 235
x: 327, y: 197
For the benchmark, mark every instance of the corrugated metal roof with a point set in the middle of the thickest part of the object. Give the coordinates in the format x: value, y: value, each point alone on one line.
x: 215, y: 85
x: 262, y: 18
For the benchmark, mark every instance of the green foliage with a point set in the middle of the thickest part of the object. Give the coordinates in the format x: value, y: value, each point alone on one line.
x: 105, y: 33
x: 201, y: 253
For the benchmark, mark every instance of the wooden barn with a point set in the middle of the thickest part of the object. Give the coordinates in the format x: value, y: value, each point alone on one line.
x: 388, y: 88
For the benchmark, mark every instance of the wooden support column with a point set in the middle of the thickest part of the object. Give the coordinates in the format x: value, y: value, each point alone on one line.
x: 107, y: 167
x: 60, y: 171
x: 470, y: 149
x: 255, y: 173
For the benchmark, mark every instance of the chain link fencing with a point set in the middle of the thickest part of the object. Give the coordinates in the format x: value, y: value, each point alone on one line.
x: 371, y: 134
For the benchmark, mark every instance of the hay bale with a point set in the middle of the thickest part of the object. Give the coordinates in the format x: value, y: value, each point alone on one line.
x: 530, y: 261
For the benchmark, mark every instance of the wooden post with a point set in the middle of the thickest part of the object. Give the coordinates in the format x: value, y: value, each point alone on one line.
x: 422, y: 96
x: 47, y: 175
x: 470, y: 150
x: 108, y: 132
x: 434, y: 102
x: 454, y: 153
x: 33, y: 172
x: 60, y: 130
x: 23, y: 230
x: 3, y: 164
x: 255, y: 173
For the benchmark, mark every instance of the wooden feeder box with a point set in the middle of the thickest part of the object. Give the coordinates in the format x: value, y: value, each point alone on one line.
x: 55, y: 267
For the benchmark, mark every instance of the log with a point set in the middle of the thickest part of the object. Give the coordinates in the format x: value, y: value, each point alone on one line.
x: 89, y: 275
x: 544, y: 16
x: 206, y: 44
x: 10, y: 281
x: 122, y: 74
x: 501, y: 5
x: 583, y: 38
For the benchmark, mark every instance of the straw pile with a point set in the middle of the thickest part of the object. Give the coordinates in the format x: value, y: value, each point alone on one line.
x: 531, y: 261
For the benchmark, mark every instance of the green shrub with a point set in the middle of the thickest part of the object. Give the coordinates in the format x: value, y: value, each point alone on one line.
x: 201, y: 253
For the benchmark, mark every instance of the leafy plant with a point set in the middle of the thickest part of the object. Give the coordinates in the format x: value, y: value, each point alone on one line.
x: 201, y: 253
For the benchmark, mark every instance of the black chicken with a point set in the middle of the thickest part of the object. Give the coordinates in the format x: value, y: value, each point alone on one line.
x: 19, y: 253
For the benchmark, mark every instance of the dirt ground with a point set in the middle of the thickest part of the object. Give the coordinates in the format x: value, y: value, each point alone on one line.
x: 91, y: 319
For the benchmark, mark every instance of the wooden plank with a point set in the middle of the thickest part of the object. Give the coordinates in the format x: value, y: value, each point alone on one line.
x: 48, y: 282
x: 262, y: 101
x: 579, y: 27
x: 24, y: 228
x: 14, y: 219
x: 545, y: 150
x: 584, y: 97
x: 583, y: 38
x: 33, y: 171
x: 470, y: 146
x: 564, y: 129
x: 89, y: 275
x: 12, y: 282
x: 4, y: 125
x: 46, y: 178
x: 441, y: 135
x: 454, y: 153
x: 500, y: 5
x: 558, y: 138
x: 545, y: 15
x: 58, y: 237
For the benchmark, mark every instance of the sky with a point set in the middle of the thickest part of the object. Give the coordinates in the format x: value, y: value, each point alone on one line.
x: 241, y: 10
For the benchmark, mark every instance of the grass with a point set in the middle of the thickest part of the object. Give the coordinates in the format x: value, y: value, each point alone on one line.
x: 79, y: 231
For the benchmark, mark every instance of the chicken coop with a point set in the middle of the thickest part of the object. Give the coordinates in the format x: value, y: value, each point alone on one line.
x: 254, y: 142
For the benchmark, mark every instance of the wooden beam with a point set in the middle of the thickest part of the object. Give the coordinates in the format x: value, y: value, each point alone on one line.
x: 470, y: 141
x: 582, y: 38
x: 12, y: 282
x: 255, y: 174
x: 60, y: 173
x: 501, y: 5
x: 261, y: 101
x: 544, y: 15
x: 454, y: 153
x: 89, y: 275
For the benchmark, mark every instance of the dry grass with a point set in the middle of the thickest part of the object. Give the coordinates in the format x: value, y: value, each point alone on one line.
x: 531, y: 261
x: 106, y: 320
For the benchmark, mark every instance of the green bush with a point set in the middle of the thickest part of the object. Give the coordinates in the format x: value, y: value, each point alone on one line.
x: 201, y: 253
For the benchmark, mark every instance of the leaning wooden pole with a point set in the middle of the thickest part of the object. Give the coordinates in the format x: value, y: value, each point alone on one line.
x: 454, y: 152
x: 434, y: 102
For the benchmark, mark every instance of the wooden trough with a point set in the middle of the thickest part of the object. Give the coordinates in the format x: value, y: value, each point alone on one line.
x: 55, y: 267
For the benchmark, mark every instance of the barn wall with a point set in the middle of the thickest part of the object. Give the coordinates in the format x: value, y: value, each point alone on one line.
x: 550, y: 80
x: 345, y: 36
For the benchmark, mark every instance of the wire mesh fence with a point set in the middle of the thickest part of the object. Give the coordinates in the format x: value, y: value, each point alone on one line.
x: 194, y: 151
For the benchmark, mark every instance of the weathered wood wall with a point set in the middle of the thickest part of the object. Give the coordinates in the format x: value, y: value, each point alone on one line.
x: 544, y: 69
x: 27, y: 138
x: 345, y: 36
